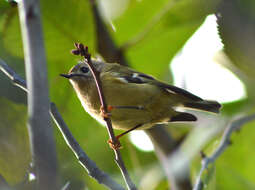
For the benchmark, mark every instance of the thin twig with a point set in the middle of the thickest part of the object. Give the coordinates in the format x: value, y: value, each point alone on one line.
x: 83, y: 51
x: 66, y: 186
x: 16, y: 79
x: 225, y: 141
x: 42, y: 142
x: 85, y: 161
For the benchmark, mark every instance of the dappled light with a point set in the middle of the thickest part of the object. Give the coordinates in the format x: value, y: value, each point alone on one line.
x: 141, y: 140
x: 196, y: 69
x: 206, y: 48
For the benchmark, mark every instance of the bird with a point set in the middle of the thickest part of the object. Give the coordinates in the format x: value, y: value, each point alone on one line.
x: 137, y: 100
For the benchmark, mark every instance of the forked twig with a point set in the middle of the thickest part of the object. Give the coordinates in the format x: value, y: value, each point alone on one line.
x: 225, y: 141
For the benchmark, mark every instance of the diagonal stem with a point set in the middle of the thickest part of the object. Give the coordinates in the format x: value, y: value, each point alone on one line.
x: 83, y: 51
x: 225, y: 141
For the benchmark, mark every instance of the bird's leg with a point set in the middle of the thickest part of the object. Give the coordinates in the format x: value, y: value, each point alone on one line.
x: 122, y: 134
x: 117, y: 145
x: 110, y: 108
x: 127, y: 107
x: 106, y: 114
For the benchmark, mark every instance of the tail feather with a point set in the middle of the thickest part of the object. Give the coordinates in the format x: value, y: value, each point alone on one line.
x: 205, y: 105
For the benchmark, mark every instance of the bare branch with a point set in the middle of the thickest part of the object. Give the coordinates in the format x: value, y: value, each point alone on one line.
x: 66, y: 186
x: 16, y: 79
x: 42, y: 141
x: 225, y: 141
x: 83, y: 51
x: 85, y: 161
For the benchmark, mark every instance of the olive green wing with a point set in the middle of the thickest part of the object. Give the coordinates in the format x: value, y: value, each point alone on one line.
x: 189, y: 100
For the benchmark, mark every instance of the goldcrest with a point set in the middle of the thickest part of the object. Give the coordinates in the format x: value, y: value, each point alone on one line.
x: 139, y: 101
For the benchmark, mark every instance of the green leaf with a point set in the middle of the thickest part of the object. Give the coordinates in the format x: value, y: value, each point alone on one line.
x: 171, y: 25
x: 14, y: 143
x: 236, y: 21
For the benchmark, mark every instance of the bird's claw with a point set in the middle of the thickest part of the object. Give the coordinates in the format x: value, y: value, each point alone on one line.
x: 106, y: 114
x: 114, y: 145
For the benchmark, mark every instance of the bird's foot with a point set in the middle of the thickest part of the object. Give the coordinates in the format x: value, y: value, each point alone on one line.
x: 106, y: 114
x: 114, y: 145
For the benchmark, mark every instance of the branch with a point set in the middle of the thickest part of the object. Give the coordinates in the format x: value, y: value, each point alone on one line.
x: 83, y: 51
x: 161, y: 138
x: 85, y: 161
x: 16, y: 79
x: 225, y: 141
x: 42, y: 143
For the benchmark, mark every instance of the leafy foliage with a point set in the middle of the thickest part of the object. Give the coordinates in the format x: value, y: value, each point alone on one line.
x: 162, y: 28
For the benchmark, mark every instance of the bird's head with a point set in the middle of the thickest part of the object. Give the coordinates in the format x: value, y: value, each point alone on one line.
x: 81, y: 77
x: 81, y: 72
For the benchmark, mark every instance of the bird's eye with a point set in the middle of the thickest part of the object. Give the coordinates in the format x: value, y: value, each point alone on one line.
x: 84, y: 69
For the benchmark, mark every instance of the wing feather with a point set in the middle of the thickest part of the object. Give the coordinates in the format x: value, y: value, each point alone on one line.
x: 131, y: 76
x: 176, y: 90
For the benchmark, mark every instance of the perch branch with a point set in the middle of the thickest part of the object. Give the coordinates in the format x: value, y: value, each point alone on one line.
x: 85, y: 161
x: 225, y: 141
x: 42, y: 143
x: 83, y: 51
x: 164, y: 143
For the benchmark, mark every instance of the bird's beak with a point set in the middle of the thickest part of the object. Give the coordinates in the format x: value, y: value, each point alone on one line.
x: 66, y: 76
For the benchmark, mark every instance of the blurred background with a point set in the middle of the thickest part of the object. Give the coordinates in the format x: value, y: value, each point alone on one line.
x: 204, y: 46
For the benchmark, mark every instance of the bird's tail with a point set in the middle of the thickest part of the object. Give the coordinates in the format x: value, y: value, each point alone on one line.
x: 204, y: 105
